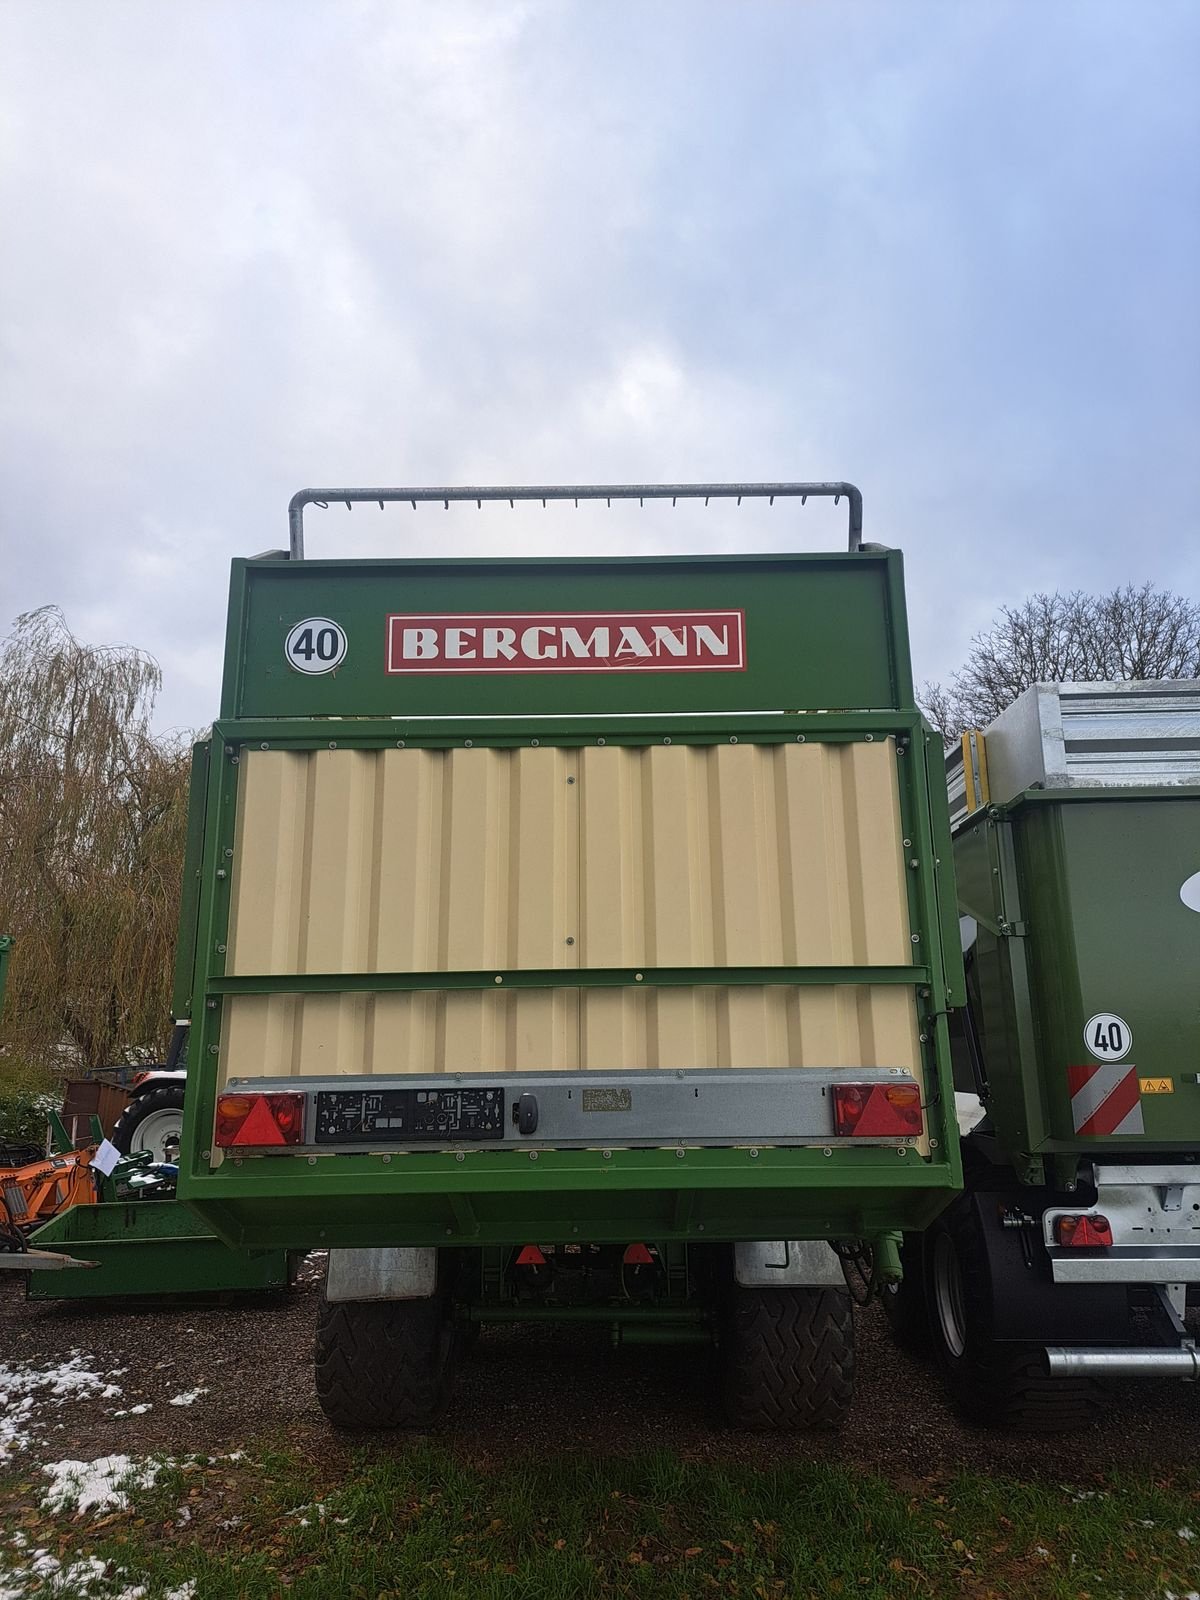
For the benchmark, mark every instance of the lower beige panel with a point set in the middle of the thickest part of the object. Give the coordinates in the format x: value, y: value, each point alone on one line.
x: 598, y: 1030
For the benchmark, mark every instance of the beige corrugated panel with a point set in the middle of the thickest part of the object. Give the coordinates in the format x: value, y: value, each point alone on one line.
x: 666, y: 856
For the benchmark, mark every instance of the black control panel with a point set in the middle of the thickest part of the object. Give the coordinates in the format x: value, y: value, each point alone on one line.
x: 406, y: 1116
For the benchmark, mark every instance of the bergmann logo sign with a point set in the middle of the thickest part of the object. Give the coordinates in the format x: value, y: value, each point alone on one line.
x: 566, y: 641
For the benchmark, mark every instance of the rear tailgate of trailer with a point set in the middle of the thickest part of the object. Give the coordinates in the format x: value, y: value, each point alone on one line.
x: 556, y: 896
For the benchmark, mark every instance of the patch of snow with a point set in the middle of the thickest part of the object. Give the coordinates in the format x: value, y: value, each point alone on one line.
x: 101, y: 1485
x: 49, y: 1576
x: 25, y: 1391
x: 87, y: 1576
x: 1185, y: 1533
x: 187, y: 1398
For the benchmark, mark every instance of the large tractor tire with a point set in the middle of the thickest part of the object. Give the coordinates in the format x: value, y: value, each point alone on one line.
x: 993, y: 1383
x: 788, y: 1358
x: 152, y: 1121
x: 384, y: 1363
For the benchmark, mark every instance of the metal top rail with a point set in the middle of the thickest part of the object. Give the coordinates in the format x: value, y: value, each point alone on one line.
x: 577, y: 492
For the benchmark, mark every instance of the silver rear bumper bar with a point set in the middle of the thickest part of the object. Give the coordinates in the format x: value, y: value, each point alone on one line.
x: 1154, y: 1361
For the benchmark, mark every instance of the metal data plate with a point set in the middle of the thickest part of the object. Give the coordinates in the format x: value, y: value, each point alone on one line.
x: 779, y: 1106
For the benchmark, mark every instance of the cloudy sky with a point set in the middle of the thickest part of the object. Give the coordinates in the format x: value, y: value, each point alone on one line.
x: 947, y: 251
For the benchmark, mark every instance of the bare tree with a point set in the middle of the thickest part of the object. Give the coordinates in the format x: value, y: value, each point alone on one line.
x: 92, y: 827
x: 1133, y: 632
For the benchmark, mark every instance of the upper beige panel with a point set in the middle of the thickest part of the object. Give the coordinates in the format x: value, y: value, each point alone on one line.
x: 418, y: 860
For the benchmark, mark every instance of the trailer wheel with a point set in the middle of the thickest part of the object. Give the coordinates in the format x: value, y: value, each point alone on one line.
x: 905, y: 1304
x: 383, y: 1363
x: 993, y: 1383
x: 788, y: 1358
x: 152, y: 1121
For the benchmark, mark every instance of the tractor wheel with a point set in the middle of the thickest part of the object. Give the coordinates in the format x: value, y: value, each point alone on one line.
x: 152, y: 1121
x: 905, y: 1304
x: 384, y: 1363
x: 993, y: 1383
x: 788, y: 1358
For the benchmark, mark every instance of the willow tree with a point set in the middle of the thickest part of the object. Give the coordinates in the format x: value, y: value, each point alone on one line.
x: 92, y: 824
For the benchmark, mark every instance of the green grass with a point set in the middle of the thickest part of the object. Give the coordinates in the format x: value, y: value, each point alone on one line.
x: 413, y: 1522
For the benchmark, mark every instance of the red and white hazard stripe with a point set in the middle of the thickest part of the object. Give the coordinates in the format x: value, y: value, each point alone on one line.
x: 1105, y: 1098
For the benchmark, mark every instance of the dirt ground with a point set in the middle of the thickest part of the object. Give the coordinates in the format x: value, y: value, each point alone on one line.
x: 537, y: 1390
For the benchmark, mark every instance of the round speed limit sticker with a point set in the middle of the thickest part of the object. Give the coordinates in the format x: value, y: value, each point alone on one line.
x: 1107, y: 1036
x: 315, y: 645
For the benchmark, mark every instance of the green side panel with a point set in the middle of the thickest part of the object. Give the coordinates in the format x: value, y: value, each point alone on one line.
x: 1083, y: 894
x: 189, y: 904
x: 147, y: 1247
x: 821, y: 632
x: 1015, y: 1098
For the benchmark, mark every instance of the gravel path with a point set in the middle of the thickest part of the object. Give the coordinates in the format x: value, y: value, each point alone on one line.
x: 215, y: 1378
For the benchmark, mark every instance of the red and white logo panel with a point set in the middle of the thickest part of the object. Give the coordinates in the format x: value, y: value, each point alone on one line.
x: 1105, y: 1098
x: 566, y: 641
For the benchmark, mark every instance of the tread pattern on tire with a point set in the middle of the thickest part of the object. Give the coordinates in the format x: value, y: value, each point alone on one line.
x: 162, y: 1097
x: 788, y: 1358
x: 383, y: 1364
x: 999, y: 1383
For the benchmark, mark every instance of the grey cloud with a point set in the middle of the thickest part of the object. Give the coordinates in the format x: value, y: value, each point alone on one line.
x: 252, y: 246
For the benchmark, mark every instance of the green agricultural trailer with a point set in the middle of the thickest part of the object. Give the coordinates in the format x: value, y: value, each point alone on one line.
x: 572, y: 939
x: 1073, y: 1252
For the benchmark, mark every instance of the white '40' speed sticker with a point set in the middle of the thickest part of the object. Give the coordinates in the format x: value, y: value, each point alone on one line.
x: 1107, y: 1036
x: 315, y: 645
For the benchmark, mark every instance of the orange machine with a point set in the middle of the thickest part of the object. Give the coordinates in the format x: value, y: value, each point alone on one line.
x: 36, y: 1190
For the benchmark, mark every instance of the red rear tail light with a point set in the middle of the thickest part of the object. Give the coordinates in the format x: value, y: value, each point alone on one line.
x: 259, y: 1120
x: 877, y: 1110
x: 1080, y: 1232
